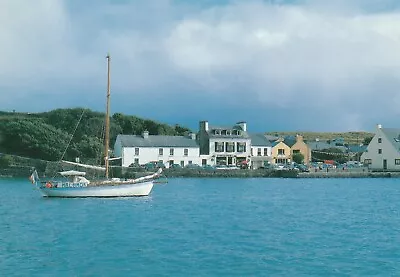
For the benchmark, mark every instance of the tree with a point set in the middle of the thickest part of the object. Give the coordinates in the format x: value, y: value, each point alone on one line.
x: 47, y: 135
x: 298, y: 158
x: 5, y: 161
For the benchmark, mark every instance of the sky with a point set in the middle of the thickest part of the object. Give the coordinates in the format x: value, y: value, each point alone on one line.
x: 300, y: 65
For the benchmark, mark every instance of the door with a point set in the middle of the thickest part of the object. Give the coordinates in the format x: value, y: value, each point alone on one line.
x: 384, y: 164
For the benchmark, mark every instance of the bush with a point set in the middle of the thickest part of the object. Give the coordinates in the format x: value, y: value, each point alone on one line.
x: 298, y: 158
x: 5, y: 161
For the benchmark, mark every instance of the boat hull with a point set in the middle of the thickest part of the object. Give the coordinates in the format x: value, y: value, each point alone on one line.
x: 123, y: 190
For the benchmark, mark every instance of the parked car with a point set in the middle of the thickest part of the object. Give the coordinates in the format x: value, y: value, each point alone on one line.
x: 208, y: 167
x: 153, y: 165
x: 175, y: 166
x: 135, y: 165
x: 149, y: 166
x: 302, y: 167
x: 193, y: 166
x: 160, y: 165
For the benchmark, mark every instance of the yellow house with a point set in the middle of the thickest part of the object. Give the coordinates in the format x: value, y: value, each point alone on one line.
x: 281, y: 152
x: 298, y: 145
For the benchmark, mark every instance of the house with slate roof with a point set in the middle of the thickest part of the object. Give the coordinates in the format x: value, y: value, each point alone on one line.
x: 281, y: 152
x: 383, y: 152
x: 224, y: 145
x: 284, y: 148
x: 141, y: 149
x: 297, y: 145
x: 261, y: 150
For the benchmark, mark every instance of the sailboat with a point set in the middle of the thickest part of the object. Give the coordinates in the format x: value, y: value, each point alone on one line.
x: 74, y: 183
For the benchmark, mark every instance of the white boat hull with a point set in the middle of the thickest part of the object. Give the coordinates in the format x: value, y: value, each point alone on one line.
x: 123, y: 190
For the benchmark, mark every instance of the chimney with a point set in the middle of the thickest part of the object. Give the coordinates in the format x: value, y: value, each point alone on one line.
x: 192, y: 136
x: 204, y: 125
x: 243, y: 125
x: 299, y: 137
x: 145, y: 134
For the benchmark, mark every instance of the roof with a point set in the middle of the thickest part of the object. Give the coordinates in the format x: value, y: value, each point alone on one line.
x: 156, y: 141
x: 259, y: 140
x: 356, y: 148
x: 72, y: 173
x: 243, y: 134
x: 322, y: 145
x: 289, y: 140
x: 277, y: 142
x: 272, y: 138
x: 393, y: 135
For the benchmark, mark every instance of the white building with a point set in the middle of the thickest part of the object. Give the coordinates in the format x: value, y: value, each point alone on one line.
x: 141, y: 149
x: 224, y: 145
x: 383, y: 152
x: 261, y: 150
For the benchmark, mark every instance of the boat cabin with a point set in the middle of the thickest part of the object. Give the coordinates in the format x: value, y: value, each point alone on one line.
x: 75, y: 176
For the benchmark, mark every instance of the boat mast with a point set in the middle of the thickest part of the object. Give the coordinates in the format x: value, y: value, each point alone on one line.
x: 107, y: 122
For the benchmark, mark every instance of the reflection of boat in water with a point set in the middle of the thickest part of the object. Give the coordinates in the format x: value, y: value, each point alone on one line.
x: 74, y: 183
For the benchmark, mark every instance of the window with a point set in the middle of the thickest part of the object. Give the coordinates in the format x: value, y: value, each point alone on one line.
x: 171, y: 151
x: 190, y: 162
x: 185, y: 152
x: 281, y: 161
x: 160, y: 152
x: 230, y: 146
x: 204, y: 162
x: 171, y: 162
x: 251, y: 151
x: 241, y: 147
x: 219, y: 147
x: 367, y: 161
x: 258, y: 151
x: 379, y: 151
x: 397, y: 161
x: 182, y: 163
x: 296, y: 151
x: 265, y: 151
x: 281, y: 151
x: 379, y: 140
x: 136, y: 151
x: 136, y: 161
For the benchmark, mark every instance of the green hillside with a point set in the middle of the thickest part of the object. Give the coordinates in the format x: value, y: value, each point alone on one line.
x: 46, y: 135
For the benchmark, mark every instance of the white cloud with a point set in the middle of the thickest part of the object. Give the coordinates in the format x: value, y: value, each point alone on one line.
x: 311, y: 55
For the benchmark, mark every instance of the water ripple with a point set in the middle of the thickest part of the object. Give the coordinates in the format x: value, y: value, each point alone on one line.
x: 206, y: 227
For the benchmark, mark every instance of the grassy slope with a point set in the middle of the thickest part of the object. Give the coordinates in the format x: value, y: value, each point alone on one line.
x: 349, y: 137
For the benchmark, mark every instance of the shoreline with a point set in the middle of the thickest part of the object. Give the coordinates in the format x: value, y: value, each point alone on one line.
x: 240, y: 173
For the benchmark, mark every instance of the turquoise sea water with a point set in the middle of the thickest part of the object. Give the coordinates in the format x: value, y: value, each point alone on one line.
x: 206, y: 227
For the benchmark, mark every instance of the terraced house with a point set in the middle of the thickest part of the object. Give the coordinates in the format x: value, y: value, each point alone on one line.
x: 213, y: 145
x: 297, y: 145
x: 281, y: 152
x: 168, y: 150
x: 224, y: 145
x: 261, y: 150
